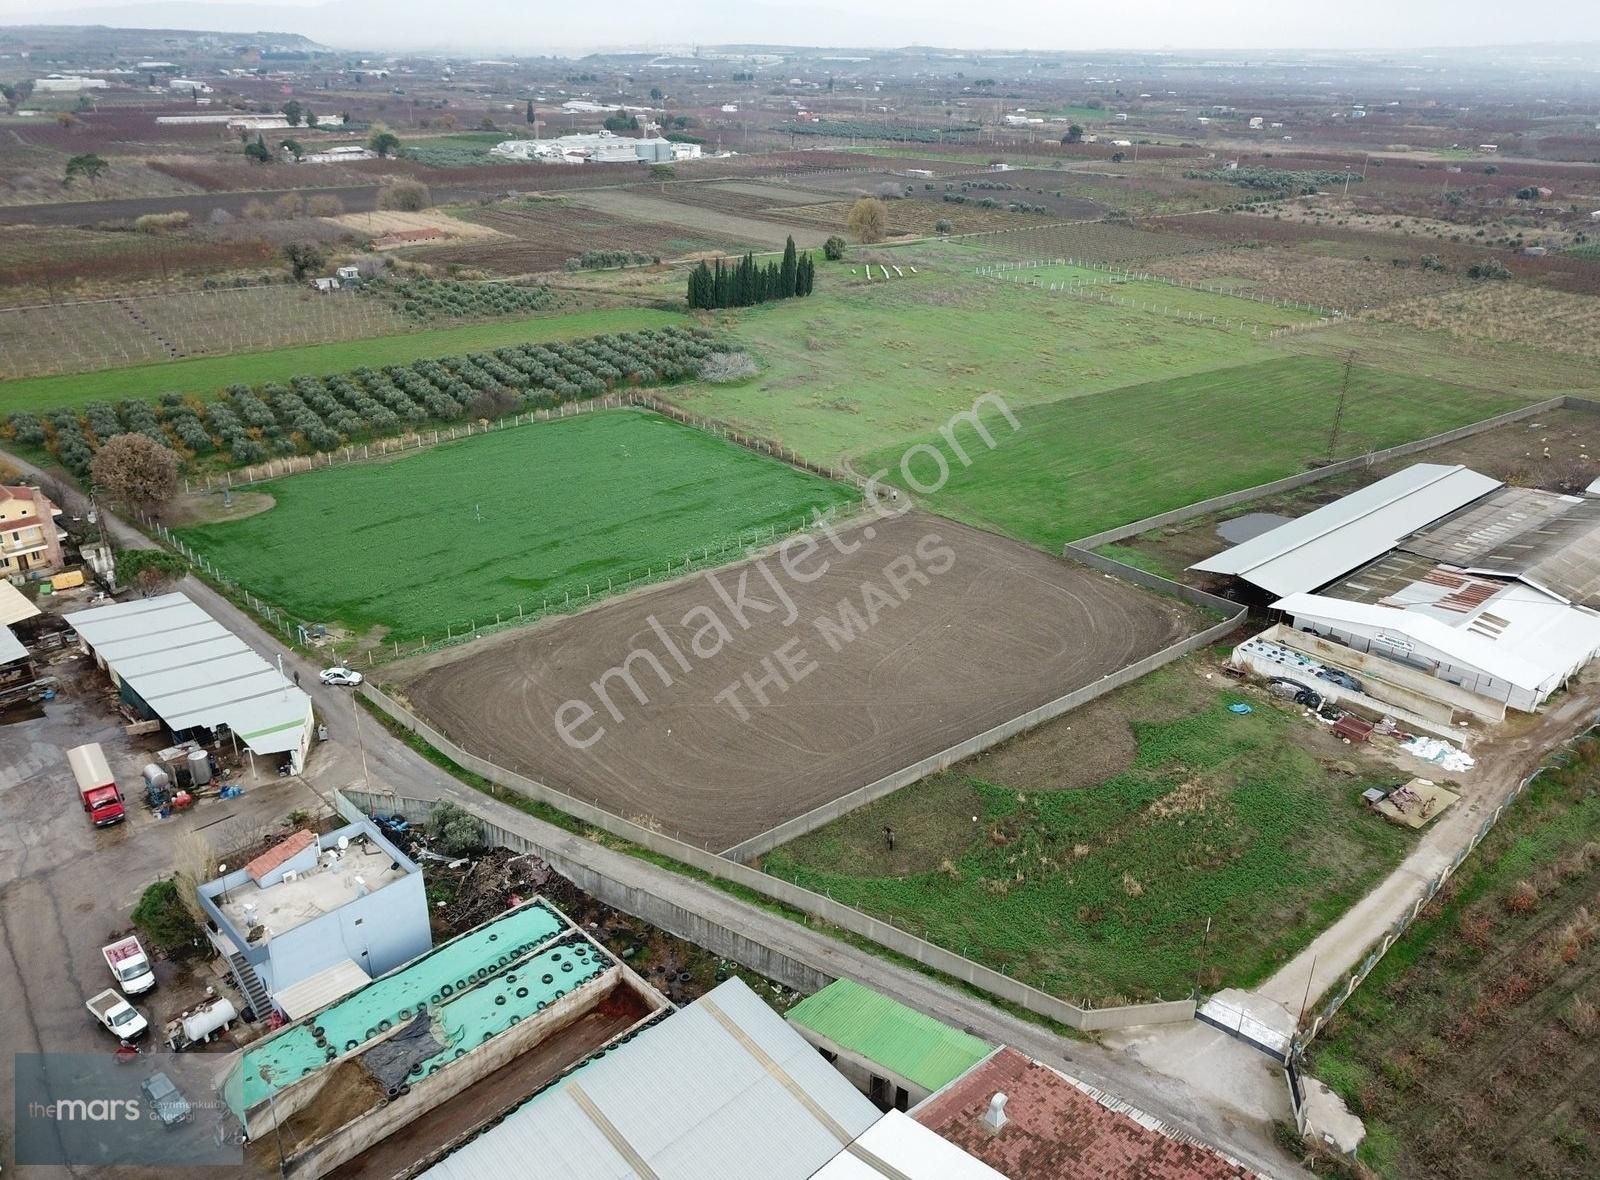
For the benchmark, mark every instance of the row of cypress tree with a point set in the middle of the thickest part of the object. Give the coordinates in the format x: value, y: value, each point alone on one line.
x: 745, y: 283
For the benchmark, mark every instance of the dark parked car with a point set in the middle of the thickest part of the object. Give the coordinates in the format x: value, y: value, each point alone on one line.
x: 166, y: 1099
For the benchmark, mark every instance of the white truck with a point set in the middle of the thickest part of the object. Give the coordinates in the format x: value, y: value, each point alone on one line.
x: 118, y: 1017
x: 130, y: 965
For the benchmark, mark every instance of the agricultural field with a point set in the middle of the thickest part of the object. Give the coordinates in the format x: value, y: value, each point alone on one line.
x: 1167, y: 299
x: 534, y: 513
x: 690, y: 221
x: 323, y: 414
x: 1097, y: 241
x: 540, y: 235
x: 862, y: 698
x: 52, y: 264
x: 1503, y: 313
x: 204, y: 377
x: 1346, y: 283
x: 1469, y: 1052
x: 1086, y: 856
x: 73, y: 337
x: 1077, y: 466
x: 918, y: 218
x: 860, y: 367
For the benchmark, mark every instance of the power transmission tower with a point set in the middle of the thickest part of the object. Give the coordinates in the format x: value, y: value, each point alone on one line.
x: 1338, y: 410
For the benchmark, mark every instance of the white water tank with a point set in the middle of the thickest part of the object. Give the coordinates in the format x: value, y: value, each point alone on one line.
x: 199, y: 768
x: 155, y: 777
x: 207, y: 1021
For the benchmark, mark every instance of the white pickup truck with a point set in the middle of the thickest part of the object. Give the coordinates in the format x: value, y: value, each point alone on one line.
x: 116, y: 1015
x: 130, y: 965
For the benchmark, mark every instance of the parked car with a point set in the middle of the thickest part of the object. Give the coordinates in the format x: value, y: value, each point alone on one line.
x: 166, y: 1099
x: 116, y: 1015
x: 341, y: 677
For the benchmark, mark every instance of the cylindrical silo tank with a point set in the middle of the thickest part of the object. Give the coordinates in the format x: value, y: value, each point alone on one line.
x: 155, y: 778
x: 199, y: 767
x: 200, y: 1024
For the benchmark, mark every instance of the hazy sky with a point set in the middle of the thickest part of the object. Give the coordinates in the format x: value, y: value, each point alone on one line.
x: 518, y: 25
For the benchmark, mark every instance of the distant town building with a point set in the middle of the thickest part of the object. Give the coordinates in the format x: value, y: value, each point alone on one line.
x: 602, y: 147
x: 342, y: 154
x: 67, y: 84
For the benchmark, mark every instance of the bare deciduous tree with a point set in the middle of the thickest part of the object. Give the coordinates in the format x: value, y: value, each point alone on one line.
x: 137, y: 470
x: 869, y: 220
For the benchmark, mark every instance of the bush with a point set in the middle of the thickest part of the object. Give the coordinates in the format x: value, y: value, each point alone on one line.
x: 721, y: 368
x: 405, y: 196
x: 455, y: 830
x: 162, y: 919
x: 833, y: 249
x: 1489, y: 268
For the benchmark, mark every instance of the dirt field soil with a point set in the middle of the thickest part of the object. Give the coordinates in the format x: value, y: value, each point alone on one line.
x: 978, y: 630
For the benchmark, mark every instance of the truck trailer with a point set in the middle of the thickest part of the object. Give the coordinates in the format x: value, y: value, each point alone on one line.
x: 97, y: 787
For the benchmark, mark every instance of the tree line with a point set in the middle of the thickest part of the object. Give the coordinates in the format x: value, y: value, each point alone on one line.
x: 745, y: 283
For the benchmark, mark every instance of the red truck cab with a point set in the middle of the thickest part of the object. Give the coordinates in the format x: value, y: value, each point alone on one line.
x: 97, y: 787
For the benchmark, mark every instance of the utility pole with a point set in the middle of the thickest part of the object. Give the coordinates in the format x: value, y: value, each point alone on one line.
x: 1338, y: 410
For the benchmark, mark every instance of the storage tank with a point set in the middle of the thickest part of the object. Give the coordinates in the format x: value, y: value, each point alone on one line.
x: 209, y: 1020
x: 155, y: 778
x: 199, y: 767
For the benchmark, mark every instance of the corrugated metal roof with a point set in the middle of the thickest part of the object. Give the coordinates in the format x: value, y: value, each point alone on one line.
x: 320, y: 990
x: 14, y: 605
x: 11, y: 648
x: 1560, y: 554
x: 1314, y: 549
x: 1464, y: 536
x: 897, y: 1147
x: 707, y: 1094
x: 1520, y: 635
x: 901, y: 1039
x: 193, y: 671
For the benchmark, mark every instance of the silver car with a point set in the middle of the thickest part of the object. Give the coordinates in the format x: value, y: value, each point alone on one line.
x: 341, y: 677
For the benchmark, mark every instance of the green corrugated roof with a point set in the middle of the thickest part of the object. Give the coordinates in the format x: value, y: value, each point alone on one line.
x: 898, y: 1038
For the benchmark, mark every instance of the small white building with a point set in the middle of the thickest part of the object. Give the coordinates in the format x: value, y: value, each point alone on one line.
x: 342, y: 154
x: 67, y: 84
x: 325, y: 285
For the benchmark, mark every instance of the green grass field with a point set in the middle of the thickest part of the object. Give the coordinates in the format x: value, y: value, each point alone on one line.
x: 471, y: 528
x: 208, y: 375
x: 1085, y: 464
x: 1100, y: 886
x: 856, y: 368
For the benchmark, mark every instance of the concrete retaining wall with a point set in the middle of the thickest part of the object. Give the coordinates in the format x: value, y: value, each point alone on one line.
x: 378, y: 1123
x: 1343, y: 467
x: 944, y: 759
x: 648, y: 891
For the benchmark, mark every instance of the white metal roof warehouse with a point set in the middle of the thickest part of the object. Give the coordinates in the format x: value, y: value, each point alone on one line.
x: 191, y: 671
x: 721, y: 1090
x: 1314, y: 549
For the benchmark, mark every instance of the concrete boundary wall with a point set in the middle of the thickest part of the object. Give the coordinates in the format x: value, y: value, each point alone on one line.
x: 1343, y: 467
x: 647, y: 891
x: 944, y: 759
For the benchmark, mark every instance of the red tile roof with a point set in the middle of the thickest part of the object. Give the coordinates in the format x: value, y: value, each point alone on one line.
x: 1056, y: 1131
x: 278, y: 853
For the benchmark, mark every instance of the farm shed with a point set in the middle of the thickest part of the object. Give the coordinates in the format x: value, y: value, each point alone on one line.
x: 1315, y: 549
x: 704, y: 1094
x: 898, y: 1146
x: 171, y: 660
x: 895, y: 1055
x: 1507, y: 641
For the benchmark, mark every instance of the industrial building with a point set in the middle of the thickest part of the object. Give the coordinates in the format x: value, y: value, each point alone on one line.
x: 1031, y: 1122
x: 893, y: 1054
x: 702, y: 1095
x: 439, y: 1046
x: 311, y: 919
x: 172, y: 661
x: 602, y: 147
x: 1442, y: 571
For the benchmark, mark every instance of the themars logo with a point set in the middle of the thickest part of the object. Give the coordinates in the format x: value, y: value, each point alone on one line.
x: 87, y: 1110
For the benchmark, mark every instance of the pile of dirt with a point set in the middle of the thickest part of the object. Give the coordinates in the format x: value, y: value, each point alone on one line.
x: 349, y: 1092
